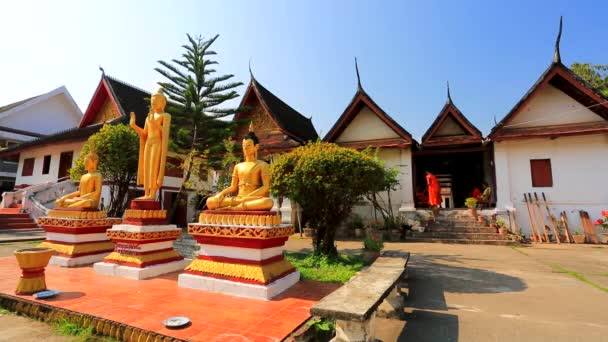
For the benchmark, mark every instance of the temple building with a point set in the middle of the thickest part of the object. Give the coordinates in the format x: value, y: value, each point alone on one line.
x: 363, y: 124
x: 454, y: 150
x: 46, y: 160
x: 279, y: 127
x: 31, y: 119
x: 554, y: 141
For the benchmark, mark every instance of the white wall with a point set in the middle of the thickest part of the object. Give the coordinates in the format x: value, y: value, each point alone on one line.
x: 55, y: 151
x: 366, y: 126
x: 579, y: 166
x: 46, y: 117
x: 403, y: 198
x: 555, y: 108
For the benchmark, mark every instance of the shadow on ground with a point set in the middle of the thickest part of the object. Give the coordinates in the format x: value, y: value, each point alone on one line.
x: 430, y: 277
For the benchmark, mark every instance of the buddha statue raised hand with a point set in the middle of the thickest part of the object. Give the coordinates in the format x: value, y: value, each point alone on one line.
x: 250, y: 182
x: 89, y: 189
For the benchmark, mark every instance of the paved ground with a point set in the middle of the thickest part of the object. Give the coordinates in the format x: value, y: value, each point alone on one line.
x: 494, y: 293
x: 479, y: 293
x: 17, y: 235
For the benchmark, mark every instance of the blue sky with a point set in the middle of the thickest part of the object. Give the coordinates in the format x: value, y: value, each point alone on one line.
x: 490, y: 51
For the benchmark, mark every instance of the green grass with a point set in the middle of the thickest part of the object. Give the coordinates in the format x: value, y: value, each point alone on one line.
x: 576, y: 275
x: 3, y: 311
x: 325, y: 269
x: 66, y: 327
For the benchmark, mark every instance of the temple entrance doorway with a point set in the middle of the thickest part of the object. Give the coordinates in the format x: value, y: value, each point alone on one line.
x: 459, y: 171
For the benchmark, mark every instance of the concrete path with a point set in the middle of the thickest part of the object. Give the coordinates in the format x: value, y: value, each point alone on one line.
x: 494, y: 293
x: 17, y: 235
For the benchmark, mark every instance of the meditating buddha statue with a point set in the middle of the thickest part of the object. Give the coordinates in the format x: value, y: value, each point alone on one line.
x: 250, y: 181
x: 153, y: 146
x: 89, y: 189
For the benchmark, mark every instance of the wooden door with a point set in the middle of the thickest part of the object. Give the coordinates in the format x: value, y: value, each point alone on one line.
x: 65, y: 163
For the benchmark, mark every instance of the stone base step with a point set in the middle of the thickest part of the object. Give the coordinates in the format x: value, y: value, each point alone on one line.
x: 463, y: 241
x: 454, y: 235
x: 462, y: 229
x: 30, y: 225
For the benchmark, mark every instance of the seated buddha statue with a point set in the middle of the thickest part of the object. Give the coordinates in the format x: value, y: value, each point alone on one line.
x: 89, y: 189
x: 250, y: 181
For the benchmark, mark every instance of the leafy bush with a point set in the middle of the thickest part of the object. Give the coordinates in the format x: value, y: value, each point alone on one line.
x: 329, y: 269
x: 327, y: 181
x: 470, y: 202
x: 373, y: 243
x: 500, y: 222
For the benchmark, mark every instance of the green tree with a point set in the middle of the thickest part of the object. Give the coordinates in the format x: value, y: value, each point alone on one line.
x: 327, y: 181
x: 594, y: 74
x: 196, y: 100
x: 118, y: 150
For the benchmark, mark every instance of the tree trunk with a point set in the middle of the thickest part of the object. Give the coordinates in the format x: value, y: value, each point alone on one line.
x: 182, y: 187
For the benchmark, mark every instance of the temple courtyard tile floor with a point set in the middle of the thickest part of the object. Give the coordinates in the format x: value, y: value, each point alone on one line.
x: 146, y: 303
x: 456, y: 293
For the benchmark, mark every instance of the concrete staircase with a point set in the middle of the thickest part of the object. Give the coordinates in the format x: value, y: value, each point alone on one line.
x: 457, y: 226
x: 13, y: 218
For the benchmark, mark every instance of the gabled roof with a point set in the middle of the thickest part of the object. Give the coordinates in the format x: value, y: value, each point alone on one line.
x: 564, y: 79
x: 291, y: 123
x: 18, y: 106
x: 360, y: 100
x: 449, y: 110
x: 125, y: 97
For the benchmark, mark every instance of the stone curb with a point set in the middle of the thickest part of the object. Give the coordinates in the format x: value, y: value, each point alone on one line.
x: 101, y: 326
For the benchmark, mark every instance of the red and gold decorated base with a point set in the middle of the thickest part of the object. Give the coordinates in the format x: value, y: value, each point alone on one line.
x: 143, y: 244
x: 77, y: 235
x: 241, y: 254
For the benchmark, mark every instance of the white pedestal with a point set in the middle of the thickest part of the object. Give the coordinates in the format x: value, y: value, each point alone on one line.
x: 77, y: 261
x: 233, y: 288
x: 140, y: 273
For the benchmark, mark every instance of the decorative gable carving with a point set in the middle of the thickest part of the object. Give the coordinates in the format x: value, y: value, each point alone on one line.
x: 107, y: 112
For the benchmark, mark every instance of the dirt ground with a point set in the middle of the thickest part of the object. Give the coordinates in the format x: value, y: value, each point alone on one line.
x: 17, y: 328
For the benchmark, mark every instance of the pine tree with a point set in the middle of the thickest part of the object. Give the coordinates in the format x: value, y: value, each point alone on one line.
x: 196, y: 96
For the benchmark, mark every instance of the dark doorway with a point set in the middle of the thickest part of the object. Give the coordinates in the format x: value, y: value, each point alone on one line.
x: 459, y: 172
x: 65, y: 163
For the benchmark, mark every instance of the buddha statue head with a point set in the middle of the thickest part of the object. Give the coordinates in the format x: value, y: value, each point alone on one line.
x: 158, y: 101
x: 91, y: 161
x: 251, y: 143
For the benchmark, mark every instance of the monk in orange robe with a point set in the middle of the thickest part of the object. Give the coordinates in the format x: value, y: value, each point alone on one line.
x: 434, y: 192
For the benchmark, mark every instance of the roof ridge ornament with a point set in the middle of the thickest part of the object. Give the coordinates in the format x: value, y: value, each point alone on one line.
x: 359, y: 87
x: 557, y: 58
x: 449, y: 96
x: 250, y: 72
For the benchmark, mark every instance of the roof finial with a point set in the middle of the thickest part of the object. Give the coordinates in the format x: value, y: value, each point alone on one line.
x: 557, y: 58
x: 449, y: 96
x: 103, y: 73
x: 250, y: 72
x: 358, y: 77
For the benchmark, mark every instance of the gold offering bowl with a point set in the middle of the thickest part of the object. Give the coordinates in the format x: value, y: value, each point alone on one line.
x: 32, y: 262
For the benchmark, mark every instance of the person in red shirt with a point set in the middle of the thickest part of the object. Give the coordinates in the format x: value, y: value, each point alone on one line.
x: 476, y: 193
x: 434, y: 192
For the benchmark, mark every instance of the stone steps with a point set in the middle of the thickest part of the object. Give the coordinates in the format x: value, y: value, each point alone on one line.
x: 457, y: 235
x: 462, y: 229
x: 463, y: 241
x: 16, y: 221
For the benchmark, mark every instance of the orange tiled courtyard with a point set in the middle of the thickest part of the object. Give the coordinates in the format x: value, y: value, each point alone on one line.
x: 146, y: 303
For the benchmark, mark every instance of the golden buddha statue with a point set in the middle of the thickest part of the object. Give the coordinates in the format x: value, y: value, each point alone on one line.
x: 250, y: 180
x: 153, y: 146
x: 89, y: 189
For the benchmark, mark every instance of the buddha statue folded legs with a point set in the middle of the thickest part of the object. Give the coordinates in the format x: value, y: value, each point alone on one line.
x: 89, y: 189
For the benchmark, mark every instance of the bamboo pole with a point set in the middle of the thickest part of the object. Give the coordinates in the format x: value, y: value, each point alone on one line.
x: 564, y: 219
x: 542, y: 220
x: 551, y: 220
x: 535, y: 237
